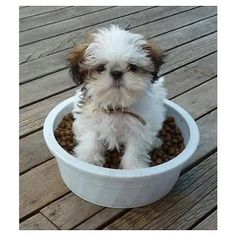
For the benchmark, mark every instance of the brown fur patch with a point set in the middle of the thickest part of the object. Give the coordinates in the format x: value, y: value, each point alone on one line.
x: 75, y: 60
x: 156, y: 55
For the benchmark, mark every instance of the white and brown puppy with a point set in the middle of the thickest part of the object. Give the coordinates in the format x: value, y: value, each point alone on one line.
x: 120, y: 100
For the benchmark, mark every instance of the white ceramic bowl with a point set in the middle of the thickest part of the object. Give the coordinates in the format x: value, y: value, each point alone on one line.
x: 120, y: 188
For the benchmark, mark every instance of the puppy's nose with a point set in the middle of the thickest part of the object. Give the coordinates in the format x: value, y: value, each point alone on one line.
x: 116, y: 74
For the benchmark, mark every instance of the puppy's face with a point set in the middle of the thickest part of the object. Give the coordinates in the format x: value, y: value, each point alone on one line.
x: 116, y: 66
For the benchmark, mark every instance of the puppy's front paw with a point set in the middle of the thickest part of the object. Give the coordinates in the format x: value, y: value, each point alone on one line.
x: 133, y: 163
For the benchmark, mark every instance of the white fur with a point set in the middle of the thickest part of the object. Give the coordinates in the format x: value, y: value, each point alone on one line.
x: 93, y: 128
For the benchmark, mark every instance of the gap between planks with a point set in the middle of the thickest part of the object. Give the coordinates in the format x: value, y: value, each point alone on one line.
x: 92, y: 28
x: 61, y: 20
x: 41, y: 13
x: 29, y: 71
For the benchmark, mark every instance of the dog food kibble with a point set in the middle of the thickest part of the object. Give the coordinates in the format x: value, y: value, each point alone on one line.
x: 170, y: 134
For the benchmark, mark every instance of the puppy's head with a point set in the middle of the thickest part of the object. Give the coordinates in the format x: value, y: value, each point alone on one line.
x: 116, y: 67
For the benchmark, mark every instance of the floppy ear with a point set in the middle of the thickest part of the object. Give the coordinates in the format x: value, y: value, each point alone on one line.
x: 157, y: 56
x: 75, y: 60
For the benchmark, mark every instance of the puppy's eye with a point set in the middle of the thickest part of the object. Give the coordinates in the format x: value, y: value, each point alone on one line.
x: 132, y: 67
x: 100, y: 68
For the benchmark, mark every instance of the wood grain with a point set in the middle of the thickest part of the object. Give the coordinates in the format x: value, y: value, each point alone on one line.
x: 33, y: 151
x: 101, y: 218
x: 32, y: 117
x: 67, y: 40
x: 186, y: 18
x: 37, y: 222
x: 210, y: 223
x: 56, y: 16
x: 73, y: 24
x: 69, y: 211
x: 36, y: 68
x: 204, y: 94
x: 180, y: 56
x: 60, y: 81
x: 40, y: 186
x: 196, y: 213
x: 37, y: 10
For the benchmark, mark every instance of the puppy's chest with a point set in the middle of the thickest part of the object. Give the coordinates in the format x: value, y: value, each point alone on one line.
x: 113, y: 122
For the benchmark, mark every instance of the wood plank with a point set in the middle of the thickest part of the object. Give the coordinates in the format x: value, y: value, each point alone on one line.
x: 69, y: 211
x: 38, y: 89
x: 36, y: 10
x: 189, y: 52
x: 188, y: 193
x: 33, y: 151
x: 57, y: 82
x: 100, y: 219
x: 43, y: 66
x: 49, y: 31
x: 207, y: 127
x: 189, y: 218
x: 204, y: 94
x: 187, y: 33
x: 40, y: 186
x: 56, y: 16
x: 182, y: 206
x: 37, y: 222
x: 56, y: 44
x: 33, y: 117
x: 176, y: 21
x: 208, y: 137
x: 210, y: 223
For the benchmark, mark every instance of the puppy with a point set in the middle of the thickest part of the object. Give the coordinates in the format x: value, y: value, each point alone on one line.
x: 120, y: 99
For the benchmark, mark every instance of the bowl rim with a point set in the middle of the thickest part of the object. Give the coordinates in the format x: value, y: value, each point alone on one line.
x: 67, y: 158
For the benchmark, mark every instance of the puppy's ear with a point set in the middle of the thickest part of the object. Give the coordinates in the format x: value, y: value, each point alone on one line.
x: 157, y: 57
x: 75, y: 60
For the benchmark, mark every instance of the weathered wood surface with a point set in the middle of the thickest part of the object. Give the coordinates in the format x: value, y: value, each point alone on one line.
x: 188, y: 35
x: 67, y: 40
x: 30, y: 92
x: 40, y: 186
x: 210, y: 223
x: 37, y: 10
x: 37, y: 222
x: 57, y: 16
x: 166, y: 40
x: 33, y: 151
x: 70, y: 211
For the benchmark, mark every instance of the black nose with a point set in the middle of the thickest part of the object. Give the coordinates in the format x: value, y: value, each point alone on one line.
x: 116, y: 74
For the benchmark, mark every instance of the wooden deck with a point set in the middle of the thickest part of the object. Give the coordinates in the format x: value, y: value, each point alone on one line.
x: 188, y: 34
